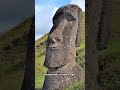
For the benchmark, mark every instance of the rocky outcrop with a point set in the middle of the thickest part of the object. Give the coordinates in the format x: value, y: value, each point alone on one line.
x: 63, y: 38
x: 29, y: 76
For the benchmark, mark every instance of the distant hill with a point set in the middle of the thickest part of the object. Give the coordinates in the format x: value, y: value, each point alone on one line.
x: 1, y: 33
x: 13, y: 45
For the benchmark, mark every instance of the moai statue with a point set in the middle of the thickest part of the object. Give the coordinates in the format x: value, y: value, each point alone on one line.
x: 29, y: 76
x: 63, y: 71
x: 104, y: 32
x: 93, y: 10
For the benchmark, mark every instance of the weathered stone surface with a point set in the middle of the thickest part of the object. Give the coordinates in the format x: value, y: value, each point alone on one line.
x: 97, y: 35
x: 29, y: 76
x: 62, y: 37
x: 65, y: 76
x: 61, y: 49
x: 104, y: 32
x: 78, y: 37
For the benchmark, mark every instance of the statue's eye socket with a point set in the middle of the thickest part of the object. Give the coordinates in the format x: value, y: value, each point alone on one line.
x: 57, y: 39
x: 57, y: 17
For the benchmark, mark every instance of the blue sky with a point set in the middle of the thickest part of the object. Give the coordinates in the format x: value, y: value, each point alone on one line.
x: 45, y: 10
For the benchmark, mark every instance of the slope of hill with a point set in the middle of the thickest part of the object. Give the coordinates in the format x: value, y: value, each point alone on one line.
x: 1, y: 33
x: 13, y: 45
x: 40, y: 49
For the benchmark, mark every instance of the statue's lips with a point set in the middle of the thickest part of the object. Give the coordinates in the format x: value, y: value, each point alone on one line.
x: 54, y: 46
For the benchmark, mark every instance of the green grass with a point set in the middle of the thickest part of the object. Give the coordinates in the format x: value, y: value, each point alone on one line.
x: 13, y: 46
x: 40, y: 70
x: 12, y: 81
x: 40, y: 50
x: 40, y: 40
x: 77, y: 86
x: 109, y: 58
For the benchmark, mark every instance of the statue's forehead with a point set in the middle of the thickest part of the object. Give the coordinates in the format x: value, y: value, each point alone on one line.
x: 66, y: 10
x: 65, y: 14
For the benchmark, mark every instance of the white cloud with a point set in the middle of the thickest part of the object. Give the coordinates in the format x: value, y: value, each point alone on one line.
x: 80, y: 3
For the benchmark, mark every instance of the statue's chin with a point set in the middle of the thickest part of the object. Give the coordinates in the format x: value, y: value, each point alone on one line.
x: 54, y: 60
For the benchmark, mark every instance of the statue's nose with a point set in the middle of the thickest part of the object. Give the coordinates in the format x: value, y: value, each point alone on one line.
x: 54, y: 41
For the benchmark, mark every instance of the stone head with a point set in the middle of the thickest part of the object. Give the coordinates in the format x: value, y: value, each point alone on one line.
x: 61, y: 42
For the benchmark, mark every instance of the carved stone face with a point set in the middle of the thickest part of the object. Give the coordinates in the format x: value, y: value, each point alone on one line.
x: 61, y: 39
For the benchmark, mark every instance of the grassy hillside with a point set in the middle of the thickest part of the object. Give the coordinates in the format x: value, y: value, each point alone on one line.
x: 109, y: 59
x: 40, y: 47
x: 13, y: 46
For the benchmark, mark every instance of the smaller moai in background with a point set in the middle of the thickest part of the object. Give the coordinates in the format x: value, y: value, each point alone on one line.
x: 63, y: 70
x: 104, y: 32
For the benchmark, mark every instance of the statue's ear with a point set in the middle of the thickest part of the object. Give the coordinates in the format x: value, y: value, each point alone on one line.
x: 79, y: 29
x: 78, y: 38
